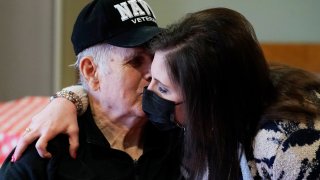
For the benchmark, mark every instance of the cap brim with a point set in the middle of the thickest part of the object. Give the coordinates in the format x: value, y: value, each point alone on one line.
x: 135, y: 37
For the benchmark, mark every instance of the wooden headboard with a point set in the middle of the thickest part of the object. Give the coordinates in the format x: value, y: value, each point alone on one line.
x: 305, y: 56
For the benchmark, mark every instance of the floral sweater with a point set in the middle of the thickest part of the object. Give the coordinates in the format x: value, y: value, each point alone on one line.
x: 287, y: 150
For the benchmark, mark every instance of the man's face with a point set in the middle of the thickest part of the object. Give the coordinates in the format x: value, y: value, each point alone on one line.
x: 122, y: 85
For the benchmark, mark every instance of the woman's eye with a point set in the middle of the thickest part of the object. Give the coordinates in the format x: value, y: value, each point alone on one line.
x: 162, y: 90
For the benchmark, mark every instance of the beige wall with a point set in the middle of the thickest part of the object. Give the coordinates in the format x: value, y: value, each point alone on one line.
x: 25, y: 48
x: 273, y: 20
x: 70, y: 10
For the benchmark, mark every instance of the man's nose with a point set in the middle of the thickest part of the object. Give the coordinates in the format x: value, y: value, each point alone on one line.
x: 147, y: 76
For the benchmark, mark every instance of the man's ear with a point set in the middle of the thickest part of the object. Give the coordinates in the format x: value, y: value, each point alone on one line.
x: 89, y: 72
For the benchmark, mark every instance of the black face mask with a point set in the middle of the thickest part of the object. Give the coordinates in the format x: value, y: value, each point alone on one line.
x: 159, y: 111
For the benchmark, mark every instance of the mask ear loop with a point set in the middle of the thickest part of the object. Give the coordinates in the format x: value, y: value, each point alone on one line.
x: 172, y: 119
x: 176, y: 122
x: 180, y: 126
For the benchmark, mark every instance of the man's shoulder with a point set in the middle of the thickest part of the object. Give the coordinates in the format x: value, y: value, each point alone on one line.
x: 29, y: 165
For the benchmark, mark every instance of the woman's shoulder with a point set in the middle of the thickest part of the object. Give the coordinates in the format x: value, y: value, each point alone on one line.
x: 288, y: 149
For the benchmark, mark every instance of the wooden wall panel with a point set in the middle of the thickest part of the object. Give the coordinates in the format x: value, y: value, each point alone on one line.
x: 305, y: 56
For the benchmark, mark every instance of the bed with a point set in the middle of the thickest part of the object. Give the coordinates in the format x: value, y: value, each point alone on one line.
x: 15, y: 115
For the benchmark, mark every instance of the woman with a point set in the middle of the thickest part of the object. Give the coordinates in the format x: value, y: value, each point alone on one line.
x: 210, y: 72
x: 218, y: 79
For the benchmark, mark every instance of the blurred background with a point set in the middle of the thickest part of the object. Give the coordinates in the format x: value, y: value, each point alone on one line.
x: 36, y: 50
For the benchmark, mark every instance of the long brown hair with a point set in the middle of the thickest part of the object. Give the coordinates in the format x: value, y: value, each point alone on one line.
x: 298, y: 95
x: 215, y: 58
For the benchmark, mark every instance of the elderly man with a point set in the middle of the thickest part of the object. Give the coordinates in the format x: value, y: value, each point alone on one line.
x: 115, y: 141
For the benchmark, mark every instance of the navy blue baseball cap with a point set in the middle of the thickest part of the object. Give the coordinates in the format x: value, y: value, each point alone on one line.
x: 120, y: 23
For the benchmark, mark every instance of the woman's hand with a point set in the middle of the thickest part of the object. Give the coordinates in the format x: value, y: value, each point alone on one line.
x: 59, y: 116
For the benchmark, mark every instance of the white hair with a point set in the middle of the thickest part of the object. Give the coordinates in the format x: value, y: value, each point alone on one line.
x: 100, y: 54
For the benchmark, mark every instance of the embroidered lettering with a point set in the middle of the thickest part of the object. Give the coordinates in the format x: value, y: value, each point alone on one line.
x: 146, y: 7
x: 141, y: 19
x: 136, y: 10
x: 124, y: 11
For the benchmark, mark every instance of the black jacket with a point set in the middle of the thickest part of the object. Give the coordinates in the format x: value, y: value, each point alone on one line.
x: 96, y: 160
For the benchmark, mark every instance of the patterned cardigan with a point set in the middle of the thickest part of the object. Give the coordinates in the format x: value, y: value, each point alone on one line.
x: 287, y: 145
x: 287, y: 150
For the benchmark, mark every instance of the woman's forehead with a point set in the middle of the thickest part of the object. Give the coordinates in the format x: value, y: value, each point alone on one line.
x: 159, y: 69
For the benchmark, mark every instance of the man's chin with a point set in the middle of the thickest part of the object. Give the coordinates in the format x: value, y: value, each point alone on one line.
x: 140, y: 113
x: 138, y: 107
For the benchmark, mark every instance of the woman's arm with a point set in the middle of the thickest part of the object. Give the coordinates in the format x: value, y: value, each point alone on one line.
x: 59, y: 116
